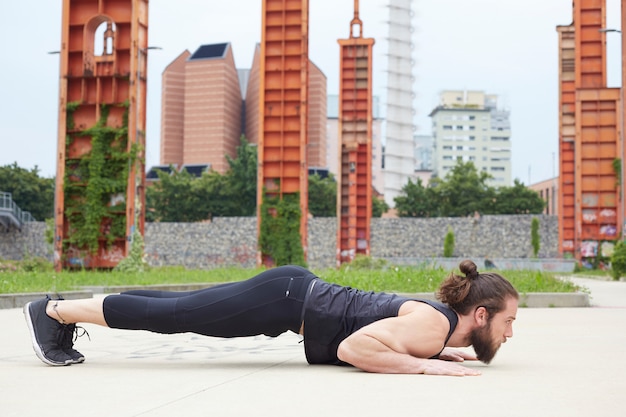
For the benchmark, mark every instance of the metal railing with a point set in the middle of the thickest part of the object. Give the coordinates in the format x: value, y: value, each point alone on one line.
x: 11, y: 214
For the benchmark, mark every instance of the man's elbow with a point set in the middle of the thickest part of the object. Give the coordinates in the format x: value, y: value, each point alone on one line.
x: 344, y: 353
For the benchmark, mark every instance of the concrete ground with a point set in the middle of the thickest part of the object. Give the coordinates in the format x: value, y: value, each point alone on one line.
x: 560, y: 362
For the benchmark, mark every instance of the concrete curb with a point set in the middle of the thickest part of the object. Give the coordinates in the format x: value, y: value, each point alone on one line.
x: 532, y: 300
x: 18, y: 300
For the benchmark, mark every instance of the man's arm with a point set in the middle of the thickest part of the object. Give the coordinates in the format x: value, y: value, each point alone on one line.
x: 401, y: 345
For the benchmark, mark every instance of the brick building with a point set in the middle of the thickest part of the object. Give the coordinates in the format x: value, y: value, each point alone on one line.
x: 207, y: 104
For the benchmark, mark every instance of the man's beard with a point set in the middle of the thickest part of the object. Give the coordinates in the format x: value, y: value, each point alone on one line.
x: 483, y: 343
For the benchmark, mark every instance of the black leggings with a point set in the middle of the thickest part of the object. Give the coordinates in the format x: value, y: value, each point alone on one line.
x: 269, y: 303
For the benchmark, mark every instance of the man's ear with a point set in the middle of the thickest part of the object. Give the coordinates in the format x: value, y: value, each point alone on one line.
x: 481, y: 316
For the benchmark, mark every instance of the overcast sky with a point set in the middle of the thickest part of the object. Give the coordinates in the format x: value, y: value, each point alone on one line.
x: 505, y: 48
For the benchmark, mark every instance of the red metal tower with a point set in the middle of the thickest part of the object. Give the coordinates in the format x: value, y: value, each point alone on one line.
x: 354, y: 188
x: 589, y: 137
x: 283, y: 107
x: 102, y: 117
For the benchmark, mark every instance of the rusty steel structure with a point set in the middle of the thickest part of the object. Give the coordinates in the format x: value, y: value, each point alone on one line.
x: 354, y: 188
x: 283, y: 99
x: 103, y: 88
x: 590, y: 149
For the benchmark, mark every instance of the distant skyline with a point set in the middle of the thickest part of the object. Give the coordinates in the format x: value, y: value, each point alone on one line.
x: 511, y: 52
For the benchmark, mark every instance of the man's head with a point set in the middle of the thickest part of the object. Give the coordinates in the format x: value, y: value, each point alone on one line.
x: 492, y: 330
x: 490, y: 299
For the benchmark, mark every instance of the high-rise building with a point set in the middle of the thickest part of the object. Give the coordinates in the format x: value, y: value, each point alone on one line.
x: 398, y: 159
x: 207, y: 103
x: 469, y: 126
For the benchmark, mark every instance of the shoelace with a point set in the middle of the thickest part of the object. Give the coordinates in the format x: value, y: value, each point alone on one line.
x: 71, y: 333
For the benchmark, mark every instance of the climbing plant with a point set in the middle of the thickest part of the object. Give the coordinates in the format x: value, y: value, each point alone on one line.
x: 95, y: 183
x: 280, y: 229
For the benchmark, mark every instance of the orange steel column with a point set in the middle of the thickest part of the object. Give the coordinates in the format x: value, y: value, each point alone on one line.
x: 622, y: 124
x: 102, y: 89
x: 567, y: 139
x: 354, y: 188
x: 596, y: 124
x: 283, y: 107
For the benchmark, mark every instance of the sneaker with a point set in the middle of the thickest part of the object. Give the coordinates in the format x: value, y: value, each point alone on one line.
x: 46, y: 334
x: 70, y: 334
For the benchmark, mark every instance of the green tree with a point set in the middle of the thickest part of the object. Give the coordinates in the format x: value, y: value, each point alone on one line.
x: 379, y: 206
x: 242, y: 179
x: 29, y: 191
x: 417, y: 200
x: 464, y: 191
x: 174, y: 198
x: 322, y: 196
x: 181, y: 197
x: 517, y: 200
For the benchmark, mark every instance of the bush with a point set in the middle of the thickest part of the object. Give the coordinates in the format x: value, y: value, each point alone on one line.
x: 618, y: 260
x: 534, y: 236
x: 448, y: 244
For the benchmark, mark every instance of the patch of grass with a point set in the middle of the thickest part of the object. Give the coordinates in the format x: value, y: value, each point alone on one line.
x: 380, y: 277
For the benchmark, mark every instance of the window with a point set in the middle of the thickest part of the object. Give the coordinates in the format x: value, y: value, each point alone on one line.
x: 497, y: 168
x: 447, y: 127
x: 459, y: 148
x: 447, y: 148
x: 447, y: 158
x: 472, y: 127
x: 472, y: 117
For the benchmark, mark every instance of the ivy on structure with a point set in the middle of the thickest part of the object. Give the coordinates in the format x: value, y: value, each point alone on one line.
x: 280, y: 229
x: 93, y: 181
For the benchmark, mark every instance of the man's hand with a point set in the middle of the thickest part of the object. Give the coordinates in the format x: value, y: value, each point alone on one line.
x: 439, y: 367
x: 455, y: 355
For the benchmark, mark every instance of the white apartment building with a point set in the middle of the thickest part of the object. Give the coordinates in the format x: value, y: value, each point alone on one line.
x: 469, y: 126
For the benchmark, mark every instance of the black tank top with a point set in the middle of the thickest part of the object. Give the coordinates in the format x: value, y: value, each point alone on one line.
x: 333, y: 312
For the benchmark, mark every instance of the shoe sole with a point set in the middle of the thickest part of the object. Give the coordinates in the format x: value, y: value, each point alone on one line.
x: 36, y: 347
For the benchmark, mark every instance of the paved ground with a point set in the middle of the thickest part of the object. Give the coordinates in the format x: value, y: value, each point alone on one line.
x: 561, y: 362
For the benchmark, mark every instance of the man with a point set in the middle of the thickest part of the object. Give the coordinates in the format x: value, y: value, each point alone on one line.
x: 376, y: 332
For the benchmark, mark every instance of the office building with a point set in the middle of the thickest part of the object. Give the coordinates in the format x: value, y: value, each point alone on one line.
x: 469, y: 126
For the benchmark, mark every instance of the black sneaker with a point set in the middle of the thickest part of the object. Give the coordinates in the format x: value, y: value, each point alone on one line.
x: 70, y: 333
x: 46, y: 334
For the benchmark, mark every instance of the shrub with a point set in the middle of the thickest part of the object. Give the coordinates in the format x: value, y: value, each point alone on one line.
x: 534, y: 236
x: 448, y: 244
x: 618, y: 260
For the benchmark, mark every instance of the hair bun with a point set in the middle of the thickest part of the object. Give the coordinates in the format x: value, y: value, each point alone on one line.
x: 469, y: 269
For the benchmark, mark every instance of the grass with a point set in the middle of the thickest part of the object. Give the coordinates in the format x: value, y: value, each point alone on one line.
x: 17, y: 279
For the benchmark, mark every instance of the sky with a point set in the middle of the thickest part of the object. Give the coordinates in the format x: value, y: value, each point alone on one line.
x: 509, y: 50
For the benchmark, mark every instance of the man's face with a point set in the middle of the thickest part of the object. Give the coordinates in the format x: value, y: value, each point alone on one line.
x: 487, y: 339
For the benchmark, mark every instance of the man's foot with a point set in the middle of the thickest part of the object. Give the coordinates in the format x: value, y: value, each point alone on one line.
x: 67, y: 343
x: 46, y: 334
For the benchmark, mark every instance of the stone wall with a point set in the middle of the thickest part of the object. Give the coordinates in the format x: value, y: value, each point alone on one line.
x: 232, y: 240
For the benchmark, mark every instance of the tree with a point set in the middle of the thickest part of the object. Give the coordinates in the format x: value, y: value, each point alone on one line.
x: 464, y: 191
x: 181, y: 197
x: 517, y: 200
x: 174, y: 199
x: 416, y: 200
x: 29, y: 191
x: 322, y: 196
x: 242, y: 179
x: 379, y: 206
